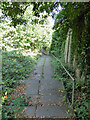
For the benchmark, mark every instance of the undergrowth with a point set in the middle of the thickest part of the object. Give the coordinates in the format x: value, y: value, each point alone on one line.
x: 81, y: 96
x: 15, y: 67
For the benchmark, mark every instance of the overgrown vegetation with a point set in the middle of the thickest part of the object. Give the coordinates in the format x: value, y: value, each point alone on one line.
x: 21, y: 47
x: 30, y: 36
x: 74, y: 17
x: 24, y: 29
x: 15, y: 67
x: 81, y: 100
x: 15, y: 10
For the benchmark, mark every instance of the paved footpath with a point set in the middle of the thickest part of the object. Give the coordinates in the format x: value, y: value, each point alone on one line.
x: 46, y: 93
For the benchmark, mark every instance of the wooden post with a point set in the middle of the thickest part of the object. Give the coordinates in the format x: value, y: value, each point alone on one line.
x: 73, y: 93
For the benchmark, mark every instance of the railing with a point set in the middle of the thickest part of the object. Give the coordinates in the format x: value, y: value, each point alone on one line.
x: 69, y: 76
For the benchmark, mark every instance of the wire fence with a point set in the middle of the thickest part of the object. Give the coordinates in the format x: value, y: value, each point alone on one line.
x: 69, y: 76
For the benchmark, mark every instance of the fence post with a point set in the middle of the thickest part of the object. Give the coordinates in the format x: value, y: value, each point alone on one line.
x: 73, y: 93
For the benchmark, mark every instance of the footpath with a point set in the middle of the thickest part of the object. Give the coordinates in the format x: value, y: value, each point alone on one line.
x: 46, y: 93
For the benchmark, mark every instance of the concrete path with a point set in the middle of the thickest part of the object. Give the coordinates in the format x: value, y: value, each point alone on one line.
x: 46, y: 93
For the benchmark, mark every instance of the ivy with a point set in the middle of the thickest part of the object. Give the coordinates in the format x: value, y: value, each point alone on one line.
x: 81, y: 99
x: 15, y: 67
x: 74, y: 16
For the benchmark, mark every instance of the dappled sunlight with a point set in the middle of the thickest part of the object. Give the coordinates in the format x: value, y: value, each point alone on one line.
x: 30, y: 30
x: 30, y: 53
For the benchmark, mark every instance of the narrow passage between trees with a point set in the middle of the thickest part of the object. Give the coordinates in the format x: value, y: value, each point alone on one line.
x: 46, y: 93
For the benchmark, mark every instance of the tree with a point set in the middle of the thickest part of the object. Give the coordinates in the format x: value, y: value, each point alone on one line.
x: 29, y: 36
x: 16, y: 10
x: 74, y: 16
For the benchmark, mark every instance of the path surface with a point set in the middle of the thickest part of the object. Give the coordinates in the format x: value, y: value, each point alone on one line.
x: 46, y: 94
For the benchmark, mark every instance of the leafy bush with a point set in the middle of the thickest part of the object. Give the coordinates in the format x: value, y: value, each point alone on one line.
x: 16, y: 66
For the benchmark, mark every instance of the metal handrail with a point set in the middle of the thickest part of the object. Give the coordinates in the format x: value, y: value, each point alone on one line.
x: 69, y: 76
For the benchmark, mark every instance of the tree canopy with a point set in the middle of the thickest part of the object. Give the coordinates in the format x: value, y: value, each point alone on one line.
x: 16, y: 10
x: 26, y: 27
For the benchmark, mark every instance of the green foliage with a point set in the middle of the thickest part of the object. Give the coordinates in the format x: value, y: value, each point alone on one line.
x: 21, y: 45
x: 74, y: 16
x: 15, y: 67
x: 81, y: 109
x: 16, y: 10
x: 30, y: 36
x: 81, y: 93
